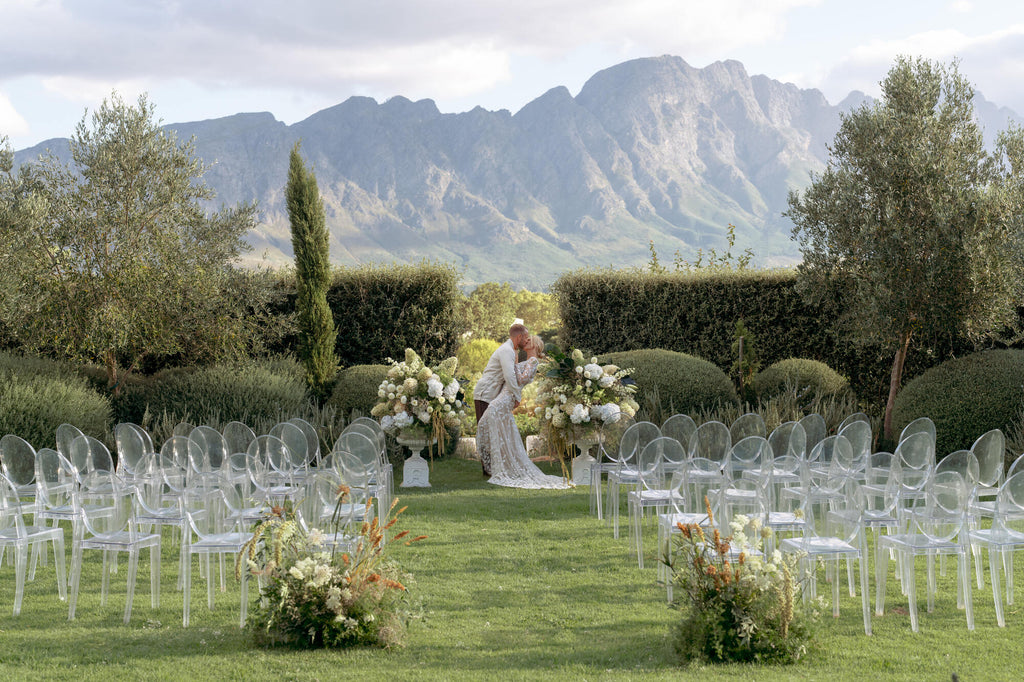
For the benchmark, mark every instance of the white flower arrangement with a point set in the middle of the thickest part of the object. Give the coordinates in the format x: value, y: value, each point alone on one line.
x: 414, y: 395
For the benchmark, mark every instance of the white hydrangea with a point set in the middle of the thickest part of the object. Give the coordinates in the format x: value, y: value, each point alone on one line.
x: 434, y: 387
x: 402, y: 420
x: 593, y: 371
x: 451, y: 390
x: 579, y: 414
x: 606, y: 381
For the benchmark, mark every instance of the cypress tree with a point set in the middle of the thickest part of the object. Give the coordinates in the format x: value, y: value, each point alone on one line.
x: 312, y: 273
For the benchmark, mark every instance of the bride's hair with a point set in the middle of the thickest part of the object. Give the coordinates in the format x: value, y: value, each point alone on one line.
x: 538, y: 343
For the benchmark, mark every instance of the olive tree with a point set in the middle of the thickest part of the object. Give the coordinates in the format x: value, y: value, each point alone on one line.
x: 112, y: 257
x: 915, y: 218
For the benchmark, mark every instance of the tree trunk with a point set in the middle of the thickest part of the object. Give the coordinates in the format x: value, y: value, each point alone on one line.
x: 110, y: 361
x: 895, y: 379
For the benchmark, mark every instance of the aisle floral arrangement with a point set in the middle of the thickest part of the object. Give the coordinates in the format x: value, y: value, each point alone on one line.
x: 576, y: 397
x: 314, y: 598
x: 738, y: 604
x: 421, y: 399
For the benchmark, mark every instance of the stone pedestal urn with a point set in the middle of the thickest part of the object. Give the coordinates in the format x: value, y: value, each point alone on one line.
x: 416, y: 471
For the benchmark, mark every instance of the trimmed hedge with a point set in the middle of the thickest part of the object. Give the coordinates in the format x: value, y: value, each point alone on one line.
x: 356, y: 388
x: 37, y: 396
x: 247, y: 392
x: 810, y: 378
x: 965, y: 397
x: 696, y: 312
x: 684, y: 383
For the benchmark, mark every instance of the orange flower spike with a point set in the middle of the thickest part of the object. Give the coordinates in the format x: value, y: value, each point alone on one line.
x: 277, y: 510
x: 401, y: 535
x: 373, y: 577
x: 346, y: 559
x: 417, y: 539
x: 742, y: 558
x: 707, y: 506
x: 394, y: 585
x: 700, y: 533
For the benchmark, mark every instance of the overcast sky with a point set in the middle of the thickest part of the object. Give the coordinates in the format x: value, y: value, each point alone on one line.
x: 202, y: 59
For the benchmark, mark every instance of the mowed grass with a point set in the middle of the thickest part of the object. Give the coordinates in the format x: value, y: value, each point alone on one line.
x: 513, y: 584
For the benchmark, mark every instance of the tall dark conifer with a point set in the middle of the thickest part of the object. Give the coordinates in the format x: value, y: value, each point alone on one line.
x: 312, y: 273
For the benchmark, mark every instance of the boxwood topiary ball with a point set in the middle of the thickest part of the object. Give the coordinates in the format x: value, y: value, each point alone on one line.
x: 684, y: 383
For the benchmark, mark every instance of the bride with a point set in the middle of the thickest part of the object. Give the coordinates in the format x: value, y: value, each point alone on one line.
x: 498, y: 435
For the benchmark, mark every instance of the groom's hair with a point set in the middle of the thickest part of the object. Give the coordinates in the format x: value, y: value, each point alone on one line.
x: 517, y: 330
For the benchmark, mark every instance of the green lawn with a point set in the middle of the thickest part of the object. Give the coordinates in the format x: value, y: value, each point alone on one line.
x: 514, y: 584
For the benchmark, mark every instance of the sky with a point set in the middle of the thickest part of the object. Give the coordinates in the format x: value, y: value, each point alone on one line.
x: 202, y: 59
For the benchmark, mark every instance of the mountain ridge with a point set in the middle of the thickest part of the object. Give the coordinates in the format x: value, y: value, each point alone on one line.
x: 649, y: 150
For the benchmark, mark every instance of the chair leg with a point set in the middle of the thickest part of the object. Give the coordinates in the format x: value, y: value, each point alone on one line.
x: 186, y: 588
x: 133, y: 568
x: 864, y: 600
x: 20, y: 560
x: 994, y: 562
x: 964, y: 568
x: 58, y: 562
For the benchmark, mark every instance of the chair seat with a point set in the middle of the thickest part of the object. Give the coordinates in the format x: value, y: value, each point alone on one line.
x: 656, y: 497
x: 818, y: 546
x: 121, y: 539
x: 218, y: 542
x: 918, y: 543
x: 1003, y: 538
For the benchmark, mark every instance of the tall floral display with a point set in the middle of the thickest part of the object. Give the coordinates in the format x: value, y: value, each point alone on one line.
x: 420, y: 400
x: 577, y: 397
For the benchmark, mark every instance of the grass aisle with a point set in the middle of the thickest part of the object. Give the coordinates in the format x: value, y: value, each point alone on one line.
x: 514, y: 584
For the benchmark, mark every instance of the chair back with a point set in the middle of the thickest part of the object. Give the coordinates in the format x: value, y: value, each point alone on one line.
x: 680, y: 427
x: 298, y: 446
x: 990, y: 449
x: 89, y: 454
x: 182, y: 451
x: 753, y: 452
x: 214, y: 448
x: 860, y: 437
x: 915, y: 456
x: 131, y: 448
x: 964, y: 463
x: 855, y: 417
x: 12, y: 522
x: 943, y: 517
x: 66, y: 433
x: 919, y: 425
x: 312, y: 439
x: 814, y: 429
x: 362, y: 446
x: 789, y: 438
x: 238, y: 436
x: 711, y: 440
x: 747, y: 425
x: 17, y: 461
x: 1009, y: 508
x: 635, y: 439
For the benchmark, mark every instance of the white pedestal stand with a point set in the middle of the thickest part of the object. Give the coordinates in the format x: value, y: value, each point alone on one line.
x: 416, y: 471
x: 583, y: 462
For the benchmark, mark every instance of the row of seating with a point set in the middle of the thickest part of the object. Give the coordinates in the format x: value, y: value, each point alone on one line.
x: 825, y: 492
x: 208, y: 486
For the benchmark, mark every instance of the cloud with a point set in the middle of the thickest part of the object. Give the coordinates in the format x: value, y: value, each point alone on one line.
x: 438, y: 48
x: 11, y: 122
x: 961, y: 6
x: 993, y: 62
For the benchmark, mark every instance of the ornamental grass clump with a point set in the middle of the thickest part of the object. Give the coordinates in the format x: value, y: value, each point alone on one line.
x: 738, y: 604
x: 315, y: 598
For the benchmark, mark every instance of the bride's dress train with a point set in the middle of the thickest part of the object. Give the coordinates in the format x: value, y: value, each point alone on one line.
x: 498, y: 435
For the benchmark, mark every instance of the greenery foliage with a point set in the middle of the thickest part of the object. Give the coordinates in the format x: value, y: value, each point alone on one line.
x: 922, y: 222
x: 312, y: 276
x: 37, y: 396
x: 965, y: 398
x: 474, y: 354
x: 683, y: 382
x: 379, y: 311
x: 356, y: 388
x: 810, y: 378
x: 747, y: 364
x: 113, y: 258
x: 490, y: 309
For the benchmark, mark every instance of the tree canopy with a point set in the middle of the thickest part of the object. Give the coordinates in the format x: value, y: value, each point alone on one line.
x: 914, y: 214
x: 113, y: 257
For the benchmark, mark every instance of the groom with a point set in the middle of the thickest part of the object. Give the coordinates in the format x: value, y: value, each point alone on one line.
x: 499, y: 372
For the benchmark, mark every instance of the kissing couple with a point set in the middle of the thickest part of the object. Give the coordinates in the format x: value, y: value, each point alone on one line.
x: 497, y: 393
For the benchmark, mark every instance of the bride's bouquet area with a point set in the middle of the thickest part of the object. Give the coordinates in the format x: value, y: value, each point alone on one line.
x: 738, y: 603
x: 418, y: 399
x: 314, y: 597
x: 576, y: 396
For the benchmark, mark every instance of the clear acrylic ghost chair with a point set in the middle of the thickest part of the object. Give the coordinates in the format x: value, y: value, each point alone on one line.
x: 1003, y: 538
x: 752, y: 453
x: 855, y: 417
x: 115, y: 531
x: 212, y: 445
x: 179, y: 449
x: 161, y: 497
x: 213, y: 530
x: 966, y: 464
x: 711, y: 440
x: 365, y: 448
x: 789, y: 438
x: 290, y: 470
x: 182, y: 429
x: 624, y: 472
x: 610, y: 434
x: 65, y: 434
x: 653, y: 487
x: 860, y: 437
x: 935, y: 527
x: 915, y: 457
x: 353, y: 473
x: 919, y: 425
x: 89, y: 454
x: 320, y: 510
x: 268, y: 463
x: 238, y: 437
x: 990, y: 449
x: 747, y: 425
x: 367, y: 425
x: 832, y: 454
x: 680, y: 427
x: 815, y: 429
x: 312, y: 440
x: 56, y: 479
x: 18, y: 464
x: 695, y: 495
x: 376, y: 436
x: 837, y: 534
x: 15, y: 533
x: 131, y: 450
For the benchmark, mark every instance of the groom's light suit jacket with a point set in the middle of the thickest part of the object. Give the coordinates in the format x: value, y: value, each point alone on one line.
x: 499, y: 372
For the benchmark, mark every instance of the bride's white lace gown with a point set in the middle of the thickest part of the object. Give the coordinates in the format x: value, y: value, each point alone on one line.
x: 498, y: 435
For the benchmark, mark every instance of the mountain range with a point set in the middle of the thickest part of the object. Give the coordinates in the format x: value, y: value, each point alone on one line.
x: 650, y: 150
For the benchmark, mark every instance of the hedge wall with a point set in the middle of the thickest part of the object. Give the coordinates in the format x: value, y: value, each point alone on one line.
x: 380, y: 310
x: 696, y: 313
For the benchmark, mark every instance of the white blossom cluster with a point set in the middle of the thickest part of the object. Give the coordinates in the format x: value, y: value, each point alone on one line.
x: 415, y: 394
x: 589, y: 395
